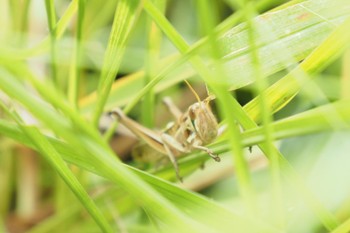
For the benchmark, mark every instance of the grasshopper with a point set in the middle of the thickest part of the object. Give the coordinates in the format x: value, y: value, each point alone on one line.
x: 190, y: 131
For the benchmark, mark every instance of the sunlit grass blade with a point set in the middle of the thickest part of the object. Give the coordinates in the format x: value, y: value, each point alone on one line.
x: 75, y: 70
x: 152, y: 58
x: 285, y: 89
x: 311, y: 121
x: 51, y: 16
x: 125, y: 16
x: 243, y: 175
x: 259, y: 85
x: 343, y: 228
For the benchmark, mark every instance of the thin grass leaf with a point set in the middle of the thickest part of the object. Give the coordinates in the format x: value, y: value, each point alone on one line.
x: 243, y: 174
x: 19, y: 19
x: 51, y: 15
x: 125, y: 16
x: 152, y: 58
x: 285, y: 89
x: 309, y: 122
x: 343, y: 228
x: 259, y: 86
x: 75, y: 70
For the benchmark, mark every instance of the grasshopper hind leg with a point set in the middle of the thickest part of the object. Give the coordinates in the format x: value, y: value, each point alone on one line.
x: 171, y: 144
x: 173, y: 161
x: 172, y: 108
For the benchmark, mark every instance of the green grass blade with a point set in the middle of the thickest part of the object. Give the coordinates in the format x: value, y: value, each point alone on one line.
x: 51, y: 16
x: 75, y: 70
x: 311, y: 121
x: 343, y: 228
x: 243, y: 175
x: 124, y: 19
x: 285, y: 89
x: 154, y: 39
x: 259, y: 86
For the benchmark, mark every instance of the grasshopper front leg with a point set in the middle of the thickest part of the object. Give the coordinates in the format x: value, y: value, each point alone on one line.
x: 209, y: 152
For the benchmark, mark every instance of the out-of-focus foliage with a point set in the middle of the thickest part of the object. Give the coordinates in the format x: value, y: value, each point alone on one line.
x: 284, y: 163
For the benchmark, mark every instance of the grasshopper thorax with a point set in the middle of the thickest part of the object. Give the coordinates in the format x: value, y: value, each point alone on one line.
x: 203, y: 121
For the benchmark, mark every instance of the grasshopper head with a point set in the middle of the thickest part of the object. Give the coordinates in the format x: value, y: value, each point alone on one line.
x: 203, y: 121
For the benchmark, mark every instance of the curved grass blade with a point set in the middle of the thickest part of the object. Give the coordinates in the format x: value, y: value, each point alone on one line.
x: 125, y: 16
x: 285, y: 89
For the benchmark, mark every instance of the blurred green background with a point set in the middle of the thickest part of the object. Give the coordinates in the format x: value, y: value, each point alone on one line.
x: 279, y: 72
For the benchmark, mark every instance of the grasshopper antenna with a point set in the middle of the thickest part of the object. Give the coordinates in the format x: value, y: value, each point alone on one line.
x: 192, y: 90
x: 210, y: 95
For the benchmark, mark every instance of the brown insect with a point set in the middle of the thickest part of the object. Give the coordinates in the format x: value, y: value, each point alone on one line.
x: 190, y: 131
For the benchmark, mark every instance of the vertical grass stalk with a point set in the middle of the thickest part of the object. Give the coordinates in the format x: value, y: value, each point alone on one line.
x: 260, y: 85
x: 125, y: 16
x: 51, y: 17
x: 154, y: 41
x: 75, y: 69
x: 207, y: 17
